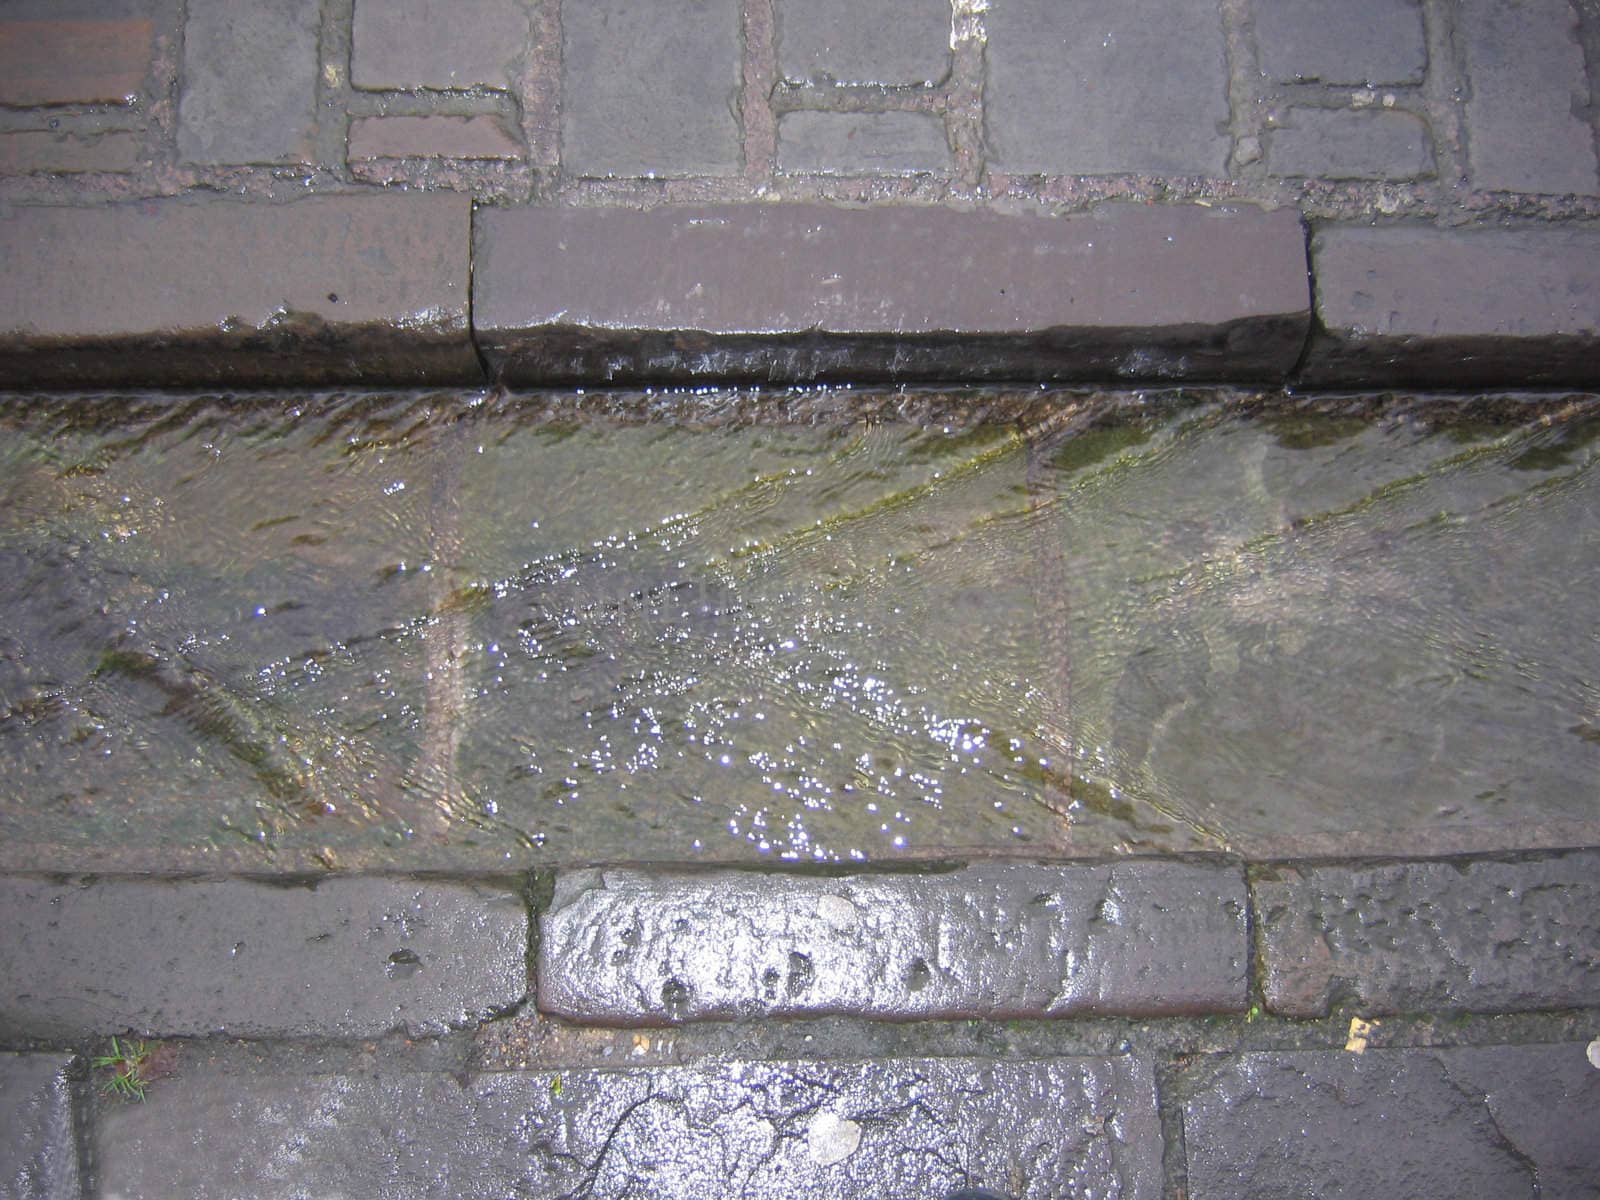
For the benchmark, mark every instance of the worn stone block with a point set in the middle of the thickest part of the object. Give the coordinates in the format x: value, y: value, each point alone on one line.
x: 331, y: 288
x: 38, y: 1145
x: 1417, y: 306
x: 801, y: 292
x: 894, y: 143
x: 1485, y: 936
x: 483, y: 137
x: 760, y: 1130
x: 350, y: 957
x: 1524, y: 131
x: 1333, y: 143
x: 230, y: 110
x: 894, y: 42
x: 70, y: 57
x: 1095, y: 87
x: 38, y: 150
x: 650, y: 89
x: 997, y: 940
x: 1424, y: 1124
x: 1352, y: 42
x: 445, y: 44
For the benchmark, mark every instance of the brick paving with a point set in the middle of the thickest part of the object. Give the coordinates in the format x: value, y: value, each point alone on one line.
x: 1379, y: 193
x: 1433, y: 121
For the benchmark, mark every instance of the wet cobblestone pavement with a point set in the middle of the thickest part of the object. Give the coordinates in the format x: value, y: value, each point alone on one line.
x: 1159, y: 789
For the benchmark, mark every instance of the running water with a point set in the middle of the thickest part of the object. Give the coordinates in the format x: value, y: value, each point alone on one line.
x: 432, y: 631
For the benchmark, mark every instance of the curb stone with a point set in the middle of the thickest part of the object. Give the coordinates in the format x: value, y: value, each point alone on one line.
x: 350, y: 957
x: 993, y: 940
x: 1417, y: 306
x: 793, y: 292
x: 1483, y: 936
x: 761, y: 1130
x: 369, y: 289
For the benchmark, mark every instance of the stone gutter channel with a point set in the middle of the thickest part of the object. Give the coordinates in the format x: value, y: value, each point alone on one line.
x: 1150, y: 1028
x: 425, y: 289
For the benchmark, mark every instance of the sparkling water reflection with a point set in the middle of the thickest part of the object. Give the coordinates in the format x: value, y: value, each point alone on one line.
x: 433, y: 630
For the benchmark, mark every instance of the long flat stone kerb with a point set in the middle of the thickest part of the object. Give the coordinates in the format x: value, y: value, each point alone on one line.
x: 331, y: 289
x: 993, y: 940
x: 350, y: 957
x: 793, y: 292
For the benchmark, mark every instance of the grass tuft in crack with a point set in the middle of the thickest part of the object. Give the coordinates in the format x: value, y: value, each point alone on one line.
x: 126, y: 1067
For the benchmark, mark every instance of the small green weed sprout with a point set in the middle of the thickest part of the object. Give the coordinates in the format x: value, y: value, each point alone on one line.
x: 126, y: 1064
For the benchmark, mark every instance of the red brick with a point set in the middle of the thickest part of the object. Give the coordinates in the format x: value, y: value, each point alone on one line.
x: 430, y: 137
x: 73, y: 62
x: 38, y: 150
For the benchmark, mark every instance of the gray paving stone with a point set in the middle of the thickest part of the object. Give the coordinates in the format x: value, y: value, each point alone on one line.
x: 1332, y: 143
x: 355, y: 288
x: 802, y: 292
x: 1524, y: 131
x: 1352, y: 42
x: 38, y: 1145
x: 1483, y: 936
x: 895, y: 143
x: 1418, y: 306
x: 230, y: 110
x: 650, y: 89
x: 350, y: 957
x: 446, y: 44
x: 1492, y: 1122
x: 894, y: 42
x: 996, y: 940
x: 1093, y: 87
x: 758, y: 1130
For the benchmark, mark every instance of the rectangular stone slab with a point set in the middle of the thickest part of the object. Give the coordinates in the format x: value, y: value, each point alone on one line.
x: 1425, y: 1124
x: 38, y: 1145
x: 368, y: 289
x: 1415, y: 306
x: 994, y: 940
x: 350, y: 957
x: 759, y: 1130
x: 788, y: 292
x: 1480, y: 936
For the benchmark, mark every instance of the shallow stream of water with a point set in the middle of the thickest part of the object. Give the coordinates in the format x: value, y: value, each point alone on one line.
x: 442, y: 630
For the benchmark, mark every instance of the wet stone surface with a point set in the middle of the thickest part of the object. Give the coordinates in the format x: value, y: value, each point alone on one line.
x: 326, y: 294
x: 1483, y: 936
x: 1411, y: 304
x: 231, y: 111
x: 892, y: 1128
x: 1503, y: 1121
x: 997, y: 940
x: 38, y: 1148
x: 347, y: 958
x: 1093, y: 87
x: 797, y: 292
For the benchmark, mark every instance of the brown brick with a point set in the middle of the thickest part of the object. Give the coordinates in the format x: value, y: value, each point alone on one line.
x: 37, y: 150
x: 430, y: 137
x: 73, y: 62
x: 357, y: 288
x: 800, y: 292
